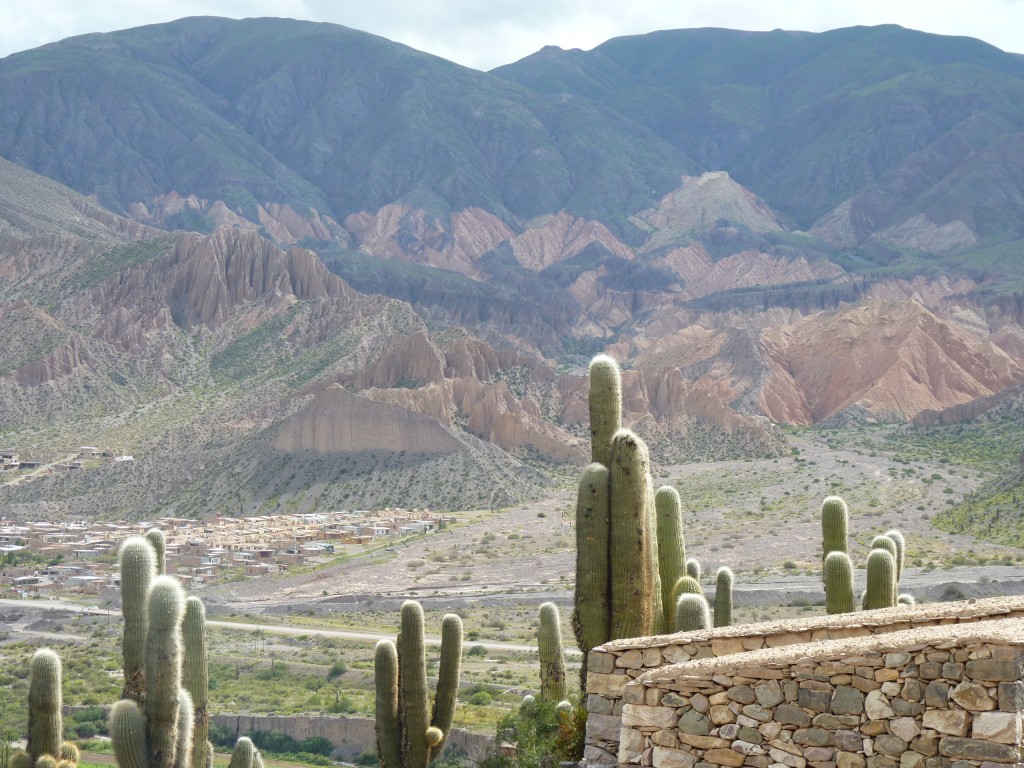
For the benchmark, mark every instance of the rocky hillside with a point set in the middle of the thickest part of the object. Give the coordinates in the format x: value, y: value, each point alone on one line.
x: 340, y: 268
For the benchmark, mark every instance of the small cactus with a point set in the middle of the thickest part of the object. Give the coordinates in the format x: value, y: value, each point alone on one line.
x: 723, y: 597
x: 693, y: 568
x: 552, y: 655
x: 838, y: 575
x: 907, y: 600
x: 692, y: 613
x: 901, y: 551
x: 45, y: 720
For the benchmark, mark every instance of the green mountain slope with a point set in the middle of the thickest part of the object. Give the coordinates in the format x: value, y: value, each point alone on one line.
x: 807, y: 121
x: 314, y: 115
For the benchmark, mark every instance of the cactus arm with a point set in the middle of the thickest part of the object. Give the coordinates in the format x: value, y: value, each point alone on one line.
x: 156, y: 539
x: 632, y: 538
x: 685, y: 585
x: 723, y: 597
x: 389, y: 735
x: 838, y: 576
x: 128, y: 734
x: 412, y: 678
x: 449, y: 669
x: 901, y: 551
x: 692, y: 613
x: 693, y: 569
x: 45, y: 719
x: 163, y: 669
x: 196, y: 677
x: 881, y: 587
x: 592, y: 607
x: 605, y: 400
x: 183, y: 749
x: 834, y: 525
x: 671, y: 545
x: 552, y: 655
x: 137, y: 568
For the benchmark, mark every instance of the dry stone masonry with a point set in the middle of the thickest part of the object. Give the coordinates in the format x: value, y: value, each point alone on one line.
x: 934, y: 697
x: 620, y: 671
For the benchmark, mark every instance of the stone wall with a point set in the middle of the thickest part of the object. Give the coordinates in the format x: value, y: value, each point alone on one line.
x: 923, y: 698
x: 612, y: 666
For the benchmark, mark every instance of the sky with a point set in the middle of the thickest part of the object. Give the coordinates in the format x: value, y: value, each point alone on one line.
x: 486, y: 33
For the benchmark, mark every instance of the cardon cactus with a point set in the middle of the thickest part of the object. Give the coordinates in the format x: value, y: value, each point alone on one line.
x: 605, y: 402
x: 907, y: 600
x: 406, y: 738
x: 685, y: 585
x: 590, y: 619
x: 635, y: 592
x: 44, y: 745
x: 245, y: 755
x: 881, y: 586
x: 138, y: 566
x: 723, y: 597
x: 835, y: 525
x: 838, y: 576
x: 552, y: 656
x: 693, y: 569
x: 692, y: 613
x: 196, y: 679
x: 671, y: 544
x: 884, y: 542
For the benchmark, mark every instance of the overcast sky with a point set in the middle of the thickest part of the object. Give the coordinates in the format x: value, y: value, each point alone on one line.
x: 486, y: 33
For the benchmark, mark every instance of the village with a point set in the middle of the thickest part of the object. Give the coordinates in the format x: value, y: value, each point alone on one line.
x: 80, y: 557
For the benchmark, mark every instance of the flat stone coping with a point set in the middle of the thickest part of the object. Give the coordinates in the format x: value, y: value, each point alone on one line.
x: 999, y: 632
x: 926, y: 614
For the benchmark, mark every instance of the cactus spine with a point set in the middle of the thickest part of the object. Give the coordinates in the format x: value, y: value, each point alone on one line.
x: 405, y: 737
x: 590, y: 619
x: 671, y: 544
x: 835, y: 526
x: 692, y: 613
x: 881, y: 587
x: 196, y: 679
x: 138, y: 563
x: 838, y: 574
x: 552, y: 656
x: 633, y: 543
x: 605, y: 407
x: 723, y: 597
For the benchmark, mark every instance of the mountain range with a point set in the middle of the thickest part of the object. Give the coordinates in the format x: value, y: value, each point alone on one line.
x: 294, y: 264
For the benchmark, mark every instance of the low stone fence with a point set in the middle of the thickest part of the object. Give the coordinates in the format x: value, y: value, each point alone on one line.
x: 923, y: 698
x: 612, y: 666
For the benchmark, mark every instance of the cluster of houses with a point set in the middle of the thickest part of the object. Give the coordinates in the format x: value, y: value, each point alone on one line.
x: 84, y: 553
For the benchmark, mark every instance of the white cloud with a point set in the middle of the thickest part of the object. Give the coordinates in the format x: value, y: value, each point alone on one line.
x: 500, y: 31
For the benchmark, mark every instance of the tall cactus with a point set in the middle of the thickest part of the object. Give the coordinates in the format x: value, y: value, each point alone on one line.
x: 44, y: 747
x: 692, y: 613
x: 196, y: 680
x: 633, y: 550
x: 590, y: 619
x: 671, y: 545
x: 881, y: 587
x: 838, y: 576
x: 552, y: 656
x: 605, y: 407
x: 154, y: 727
x: 723, y: 597
x: 835, y: 526
x: 407, y: 736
